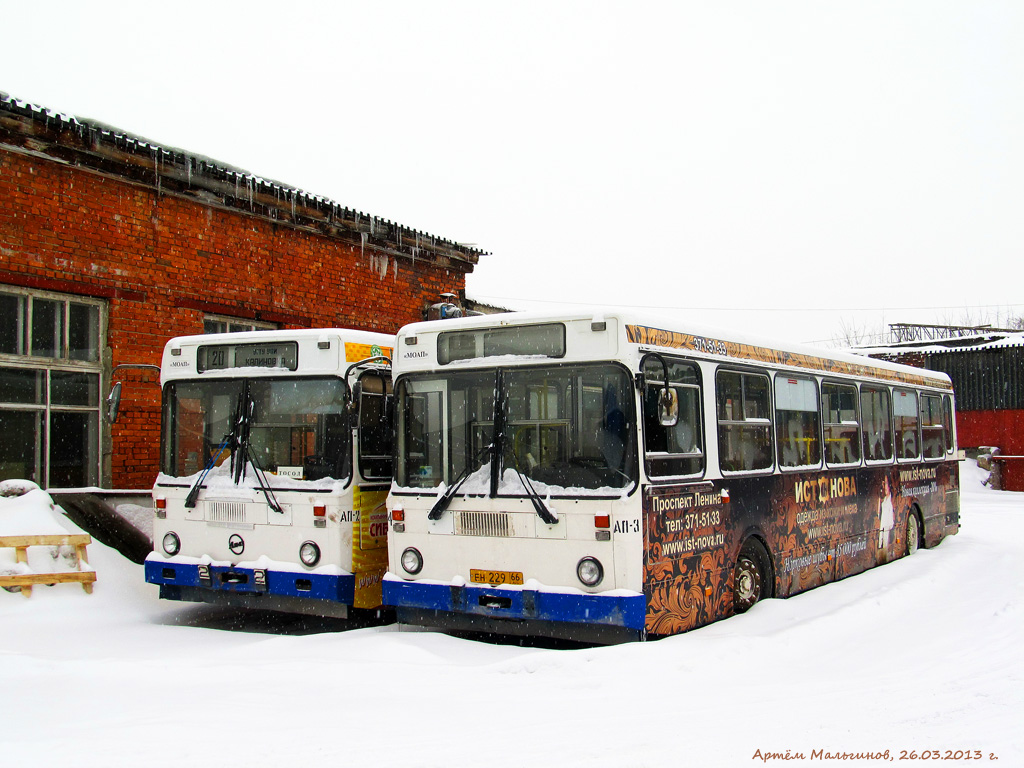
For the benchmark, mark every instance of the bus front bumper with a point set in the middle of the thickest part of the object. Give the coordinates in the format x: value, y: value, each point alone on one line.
x: 508, y: 605
x: 336, y: 588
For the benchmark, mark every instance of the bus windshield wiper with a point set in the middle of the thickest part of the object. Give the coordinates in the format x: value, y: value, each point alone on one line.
x: 543, y: 512
x: 193, y: 492
x: 232, y: 441
x: 500, y: 427
x: 244, y: 453
x: 449, y: 493
x: 237, y: 441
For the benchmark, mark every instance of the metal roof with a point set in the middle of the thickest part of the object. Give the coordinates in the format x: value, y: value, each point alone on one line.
x: 978, y: 343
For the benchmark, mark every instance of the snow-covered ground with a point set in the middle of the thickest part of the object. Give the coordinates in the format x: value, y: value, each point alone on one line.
x: 923, y: 654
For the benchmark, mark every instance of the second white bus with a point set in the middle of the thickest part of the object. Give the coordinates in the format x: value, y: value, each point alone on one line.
x: 276, y: 461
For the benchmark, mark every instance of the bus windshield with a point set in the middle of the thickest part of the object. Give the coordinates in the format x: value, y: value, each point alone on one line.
x: 557, y: 426
x: 300, y: 427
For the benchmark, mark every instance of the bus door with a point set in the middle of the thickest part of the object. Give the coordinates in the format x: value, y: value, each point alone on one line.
x: 375, y: 408
x: 685, y: 565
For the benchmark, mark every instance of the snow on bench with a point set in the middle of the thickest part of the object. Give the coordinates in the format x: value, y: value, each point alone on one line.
x: 28, y: 518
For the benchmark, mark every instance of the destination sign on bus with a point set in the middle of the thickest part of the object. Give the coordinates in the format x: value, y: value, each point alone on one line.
x: 222, y: 357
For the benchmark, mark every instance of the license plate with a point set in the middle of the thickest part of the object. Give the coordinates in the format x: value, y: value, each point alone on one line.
x: 495, y: 577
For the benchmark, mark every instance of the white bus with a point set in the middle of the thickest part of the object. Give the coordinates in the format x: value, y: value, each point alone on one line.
x: 610, y: 477
x: 275, y: 465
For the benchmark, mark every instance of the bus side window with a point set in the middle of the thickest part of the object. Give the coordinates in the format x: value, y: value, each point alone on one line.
x: 797, y: 421
x: 744, y: 422
x: 906, y: 420
x: 932, y: 427
x: 877, y: 419
x: 677, y: 450
x: 842, y: 424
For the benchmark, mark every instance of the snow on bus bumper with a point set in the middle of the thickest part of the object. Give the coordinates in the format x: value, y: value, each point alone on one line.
x: 614, y: 608
x: 259, y: 577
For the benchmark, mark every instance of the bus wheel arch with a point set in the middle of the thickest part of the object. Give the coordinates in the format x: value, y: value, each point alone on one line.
x: 915, y: 530
x: 753, y: 575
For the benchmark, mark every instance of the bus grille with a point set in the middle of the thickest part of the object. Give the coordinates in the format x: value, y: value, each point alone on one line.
x: 483, y: 523
x: 226, y: 512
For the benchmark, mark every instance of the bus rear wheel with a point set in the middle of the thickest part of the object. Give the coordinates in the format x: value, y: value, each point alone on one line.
x: 913, y: 532
x: 750, y: 578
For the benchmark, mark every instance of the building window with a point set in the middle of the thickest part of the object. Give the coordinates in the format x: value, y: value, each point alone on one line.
x: 40, y: 325
x: 224, y: 324
x: 50, y: 387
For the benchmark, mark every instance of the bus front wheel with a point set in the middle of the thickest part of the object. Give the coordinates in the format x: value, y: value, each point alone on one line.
x: 750, y: 578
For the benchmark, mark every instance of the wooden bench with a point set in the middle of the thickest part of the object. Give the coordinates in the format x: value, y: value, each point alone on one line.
x: 26, y: 580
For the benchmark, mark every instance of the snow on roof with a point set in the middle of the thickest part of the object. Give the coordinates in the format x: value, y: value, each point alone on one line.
x: 292, y: 334
x: 979, y: 343
x: 195, y: 169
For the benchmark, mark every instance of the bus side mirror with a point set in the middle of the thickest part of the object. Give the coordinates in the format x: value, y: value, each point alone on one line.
x: 114, y: 403
x: 668, y: 407
x: 356, y: 392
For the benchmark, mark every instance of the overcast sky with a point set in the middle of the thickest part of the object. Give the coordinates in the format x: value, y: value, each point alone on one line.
x: 792, y: 167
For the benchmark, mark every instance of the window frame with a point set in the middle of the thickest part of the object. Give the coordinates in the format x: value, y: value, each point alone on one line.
x: 825, y: 424
x: 778, y: 422
x: 472, y: 343
x: 369, y: 462
x: 242, y: 324
x: 948, y: 424
x: 745, y: 422
x: 931, y: 427
x: 899, y: 433
x: 866, y: 433
x: 66, y: 360
x: 25, y: 333
x: 175, y: 393
x: 651, y: 458
x: 574, y: 399
x: 47, y: 409
x: 445, y: 418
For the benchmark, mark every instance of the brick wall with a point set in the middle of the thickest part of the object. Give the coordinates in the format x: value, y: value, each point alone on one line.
x: 163, y: 262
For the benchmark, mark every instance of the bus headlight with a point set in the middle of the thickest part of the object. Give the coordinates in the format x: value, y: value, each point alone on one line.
x: 412, y: 560
x: 589, y: 571
x: 309, y: 554
x: 171, y: 543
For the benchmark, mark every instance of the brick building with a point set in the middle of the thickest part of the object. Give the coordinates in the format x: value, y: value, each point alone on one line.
x: 110, y: 245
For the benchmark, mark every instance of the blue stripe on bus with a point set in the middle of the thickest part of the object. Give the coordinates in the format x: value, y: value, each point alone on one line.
x: 333, y: 587
x: 518, y: 604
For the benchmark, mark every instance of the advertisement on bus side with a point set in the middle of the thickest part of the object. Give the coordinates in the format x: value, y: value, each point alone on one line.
x: 816, y: 526
x: 369, y: 545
